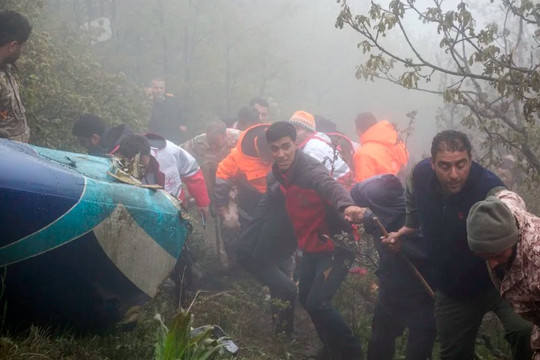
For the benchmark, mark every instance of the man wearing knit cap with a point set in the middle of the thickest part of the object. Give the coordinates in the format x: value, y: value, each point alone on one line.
x: 440, y: 193
x: 319, y: 146
x: 500, y: 230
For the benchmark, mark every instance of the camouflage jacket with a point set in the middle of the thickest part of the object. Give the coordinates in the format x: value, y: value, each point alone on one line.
x: 207, y: 157
x: 12, y: 118
x: 521, y: 282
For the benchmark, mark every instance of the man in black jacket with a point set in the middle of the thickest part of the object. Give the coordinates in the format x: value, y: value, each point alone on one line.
x: 439, y: 195
x: 98, y: 138
x: 167, y: 118
x: 402, y: 301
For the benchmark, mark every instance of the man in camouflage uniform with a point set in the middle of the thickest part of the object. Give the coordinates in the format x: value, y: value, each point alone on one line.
x: 501, y: 231
x: 14, y: 31
x: 209, y: 149
x: 212, y: 147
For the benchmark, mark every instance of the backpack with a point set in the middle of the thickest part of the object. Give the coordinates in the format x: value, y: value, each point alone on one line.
x: 343, y: 147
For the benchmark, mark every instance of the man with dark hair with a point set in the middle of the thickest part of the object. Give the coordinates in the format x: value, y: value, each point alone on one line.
x: 315, y: 203
x: 381, y: 152
x: 439, y: 196
x: 261, y: 105
x: 98, y: 138
x: 325, y: 125
x: 166, y: 118
x: 168, y: 165
x: 14, y: 32
x: 247, y: 117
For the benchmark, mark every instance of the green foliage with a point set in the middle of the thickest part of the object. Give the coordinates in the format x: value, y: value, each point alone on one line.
x: 61, y: 79
x: 197, y: 47
x: 490, y: 68
x: 177, y: 343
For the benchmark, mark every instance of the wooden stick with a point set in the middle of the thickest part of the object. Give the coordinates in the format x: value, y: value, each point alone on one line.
x: 407, y: 261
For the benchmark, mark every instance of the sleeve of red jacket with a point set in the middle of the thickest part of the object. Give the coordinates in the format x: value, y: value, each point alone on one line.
x: 197, y: 188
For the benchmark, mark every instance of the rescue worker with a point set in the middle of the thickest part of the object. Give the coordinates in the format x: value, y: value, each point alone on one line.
x: 314, y: 202
x: 14, y: 32
x: 501, y: 231
x: 98, y: 138
x: 319, y: 146
x: 246, y: 168
x: 168, y: 165
x: 211, y: 147
x: 441, y: 191
x: 381, y: 150
x: 402, y: 301
x: 166, y: 119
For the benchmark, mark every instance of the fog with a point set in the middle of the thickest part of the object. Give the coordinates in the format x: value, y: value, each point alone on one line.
x: 216, y: 55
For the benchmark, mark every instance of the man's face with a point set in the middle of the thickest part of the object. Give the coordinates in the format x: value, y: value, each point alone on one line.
x: 89, y: 142
x: 144, y: 160
x: 499, y: 260
x: 263, y: 112
x: 215, y: 141
x: 15, y: 51
x: 283, y: 152
x: 157, y: 90
x: 301, y: 134
x: 452, y: 170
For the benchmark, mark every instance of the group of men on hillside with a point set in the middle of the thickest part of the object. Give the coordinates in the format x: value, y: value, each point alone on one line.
x: 292, y: 190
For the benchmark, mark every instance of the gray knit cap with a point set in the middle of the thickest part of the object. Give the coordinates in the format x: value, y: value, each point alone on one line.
x: 491, y: 227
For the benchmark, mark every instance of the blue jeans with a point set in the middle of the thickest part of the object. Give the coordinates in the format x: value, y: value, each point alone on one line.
x: 321, y: 275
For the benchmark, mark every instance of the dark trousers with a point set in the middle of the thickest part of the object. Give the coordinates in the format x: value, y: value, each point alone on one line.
x: 392, y: 316
x: 278, y: 279
x: 321, y: 275
x: 458, y: 322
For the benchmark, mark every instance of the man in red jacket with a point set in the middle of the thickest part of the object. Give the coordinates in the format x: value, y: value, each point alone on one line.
x: 315, y: 203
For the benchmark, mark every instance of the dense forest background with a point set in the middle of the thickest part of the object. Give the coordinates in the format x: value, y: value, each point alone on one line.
x: 425, y: 65
x: 428, y: 65
x: 99, y: 56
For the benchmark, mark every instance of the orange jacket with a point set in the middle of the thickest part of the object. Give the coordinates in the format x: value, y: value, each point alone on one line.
x: 243, y: 161
x: 382, y: 152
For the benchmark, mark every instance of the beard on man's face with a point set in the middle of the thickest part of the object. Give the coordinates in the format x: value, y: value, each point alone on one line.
x: 500, y: 270
x: 11, y: 59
